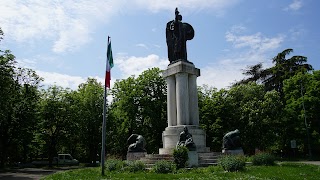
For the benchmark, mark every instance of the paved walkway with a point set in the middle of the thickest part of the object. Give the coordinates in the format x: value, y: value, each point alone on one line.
x: 31, y: 173
x: 310, y: 162
x: 26, y: 174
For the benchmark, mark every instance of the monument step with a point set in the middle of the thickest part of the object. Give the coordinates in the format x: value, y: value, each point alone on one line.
x: 151, y: 159
x: 159, y: 156
x: 209, y: 157
x: 205, y: 154
x: 207, y: 164
x: 204, y: 161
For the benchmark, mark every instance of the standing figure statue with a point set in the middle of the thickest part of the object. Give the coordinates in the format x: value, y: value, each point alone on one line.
x: 186, y: 140
x: 177, y: 34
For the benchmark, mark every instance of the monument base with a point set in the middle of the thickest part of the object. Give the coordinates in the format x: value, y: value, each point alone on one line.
x: 132, y: 156
x: 233, y: 152
x: 171, y: 135
x: 193, y: 160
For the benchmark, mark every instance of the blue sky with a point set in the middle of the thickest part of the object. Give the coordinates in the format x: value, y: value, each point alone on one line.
x: 66, y: 41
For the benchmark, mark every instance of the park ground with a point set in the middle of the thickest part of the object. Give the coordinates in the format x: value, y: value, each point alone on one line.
x: 38, y: 173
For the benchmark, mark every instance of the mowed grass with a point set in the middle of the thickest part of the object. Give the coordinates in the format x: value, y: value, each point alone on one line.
x: 290, y: 171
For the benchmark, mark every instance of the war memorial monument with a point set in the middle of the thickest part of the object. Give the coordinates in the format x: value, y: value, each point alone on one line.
x: 182, y: 103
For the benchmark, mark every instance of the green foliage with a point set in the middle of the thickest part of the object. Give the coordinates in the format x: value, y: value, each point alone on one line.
x: 283, y: 171
x: 164, y: 167
x: 232, y: 163
x: 18, y: 109
x: 245, y: 107
x: 138, y: 107
x: 114, y: 165
x: 180, y: 155
x: 124, y: 166
x: 134, y: 166
x: 88, y: 104
x: 265, y: 159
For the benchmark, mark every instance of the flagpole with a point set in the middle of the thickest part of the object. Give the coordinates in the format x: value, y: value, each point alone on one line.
x: 103, y: 151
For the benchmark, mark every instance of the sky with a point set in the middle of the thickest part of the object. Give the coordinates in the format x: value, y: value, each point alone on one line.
x: 65, y: 41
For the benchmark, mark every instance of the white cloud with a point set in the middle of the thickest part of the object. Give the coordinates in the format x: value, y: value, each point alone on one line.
x: 157, y: 5
x: 297, y: 32
x: 294, y: 6
x: 136, y: 65
x: 67, y: 81
x: 67, y: 24
x: 26, y: 63
x: 63, y: 80
x: 220, y: 75
x: 228, y: 69
x: 142, y: 45
x: 256, y: 42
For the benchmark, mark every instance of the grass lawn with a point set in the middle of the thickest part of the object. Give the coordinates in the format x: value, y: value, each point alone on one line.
x: 288, y: 171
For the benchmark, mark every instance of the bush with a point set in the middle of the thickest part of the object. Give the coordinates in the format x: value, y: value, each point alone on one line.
x: 263, y: 159
x: 114, y: 165
x: 164, y: 167
x: 232, y: 162
x: 134, y: 166
x: 180, y: 155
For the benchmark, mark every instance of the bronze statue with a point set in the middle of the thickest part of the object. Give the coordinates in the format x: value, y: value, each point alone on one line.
x: 186, y: 140
x: 177, y: 34
x: 231, y: 140
x: 136, y: 143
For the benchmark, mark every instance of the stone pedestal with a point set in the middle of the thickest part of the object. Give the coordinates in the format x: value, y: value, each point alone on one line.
x: 182, y: 108
x: 233, y: 152
x: 132, y: 156
x: 193, y: 160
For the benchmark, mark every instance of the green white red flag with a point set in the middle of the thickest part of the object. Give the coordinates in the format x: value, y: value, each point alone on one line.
x: 109, y: 64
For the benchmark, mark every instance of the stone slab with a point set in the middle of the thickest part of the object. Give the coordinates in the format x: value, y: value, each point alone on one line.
x: 132, y: 156
x: 193, y: 160
x: 179, y: 67
x: 233, y: 152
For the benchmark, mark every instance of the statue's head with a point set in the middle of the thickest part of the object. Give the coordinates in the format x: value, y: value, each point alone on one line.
x: 185, y: 129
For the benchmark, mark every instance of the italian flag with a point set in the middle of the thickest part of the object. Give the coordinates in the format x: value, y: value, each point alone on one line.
x: 109, y: 65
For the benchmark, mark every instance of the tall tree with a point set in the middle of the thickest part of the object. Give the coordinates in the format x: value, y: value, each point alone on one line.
x: 302, y: 109
x: 18, y: 101
x: 9, y: 92
x: 26, y: 114
x: 284, y: 69
x: 54, y: 114
x: 274, y: 76
x: 90, y: 102
x: 255, y: 73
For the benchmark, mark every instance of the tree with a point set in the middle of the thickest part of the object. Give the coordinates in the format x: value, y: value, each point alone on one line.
x: 139, y: 106
x: 245, y: 107
x: 215, y: 114
x: 54, y: 123
x: 274, y: 76
x: 18, y: 101
x: 284, y: 69
x: 302, y: 93
x: 25, y: 112
x: 8, y: 91
x: 152, y: 107
x: 90, y: 108
x: 255, y: 73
